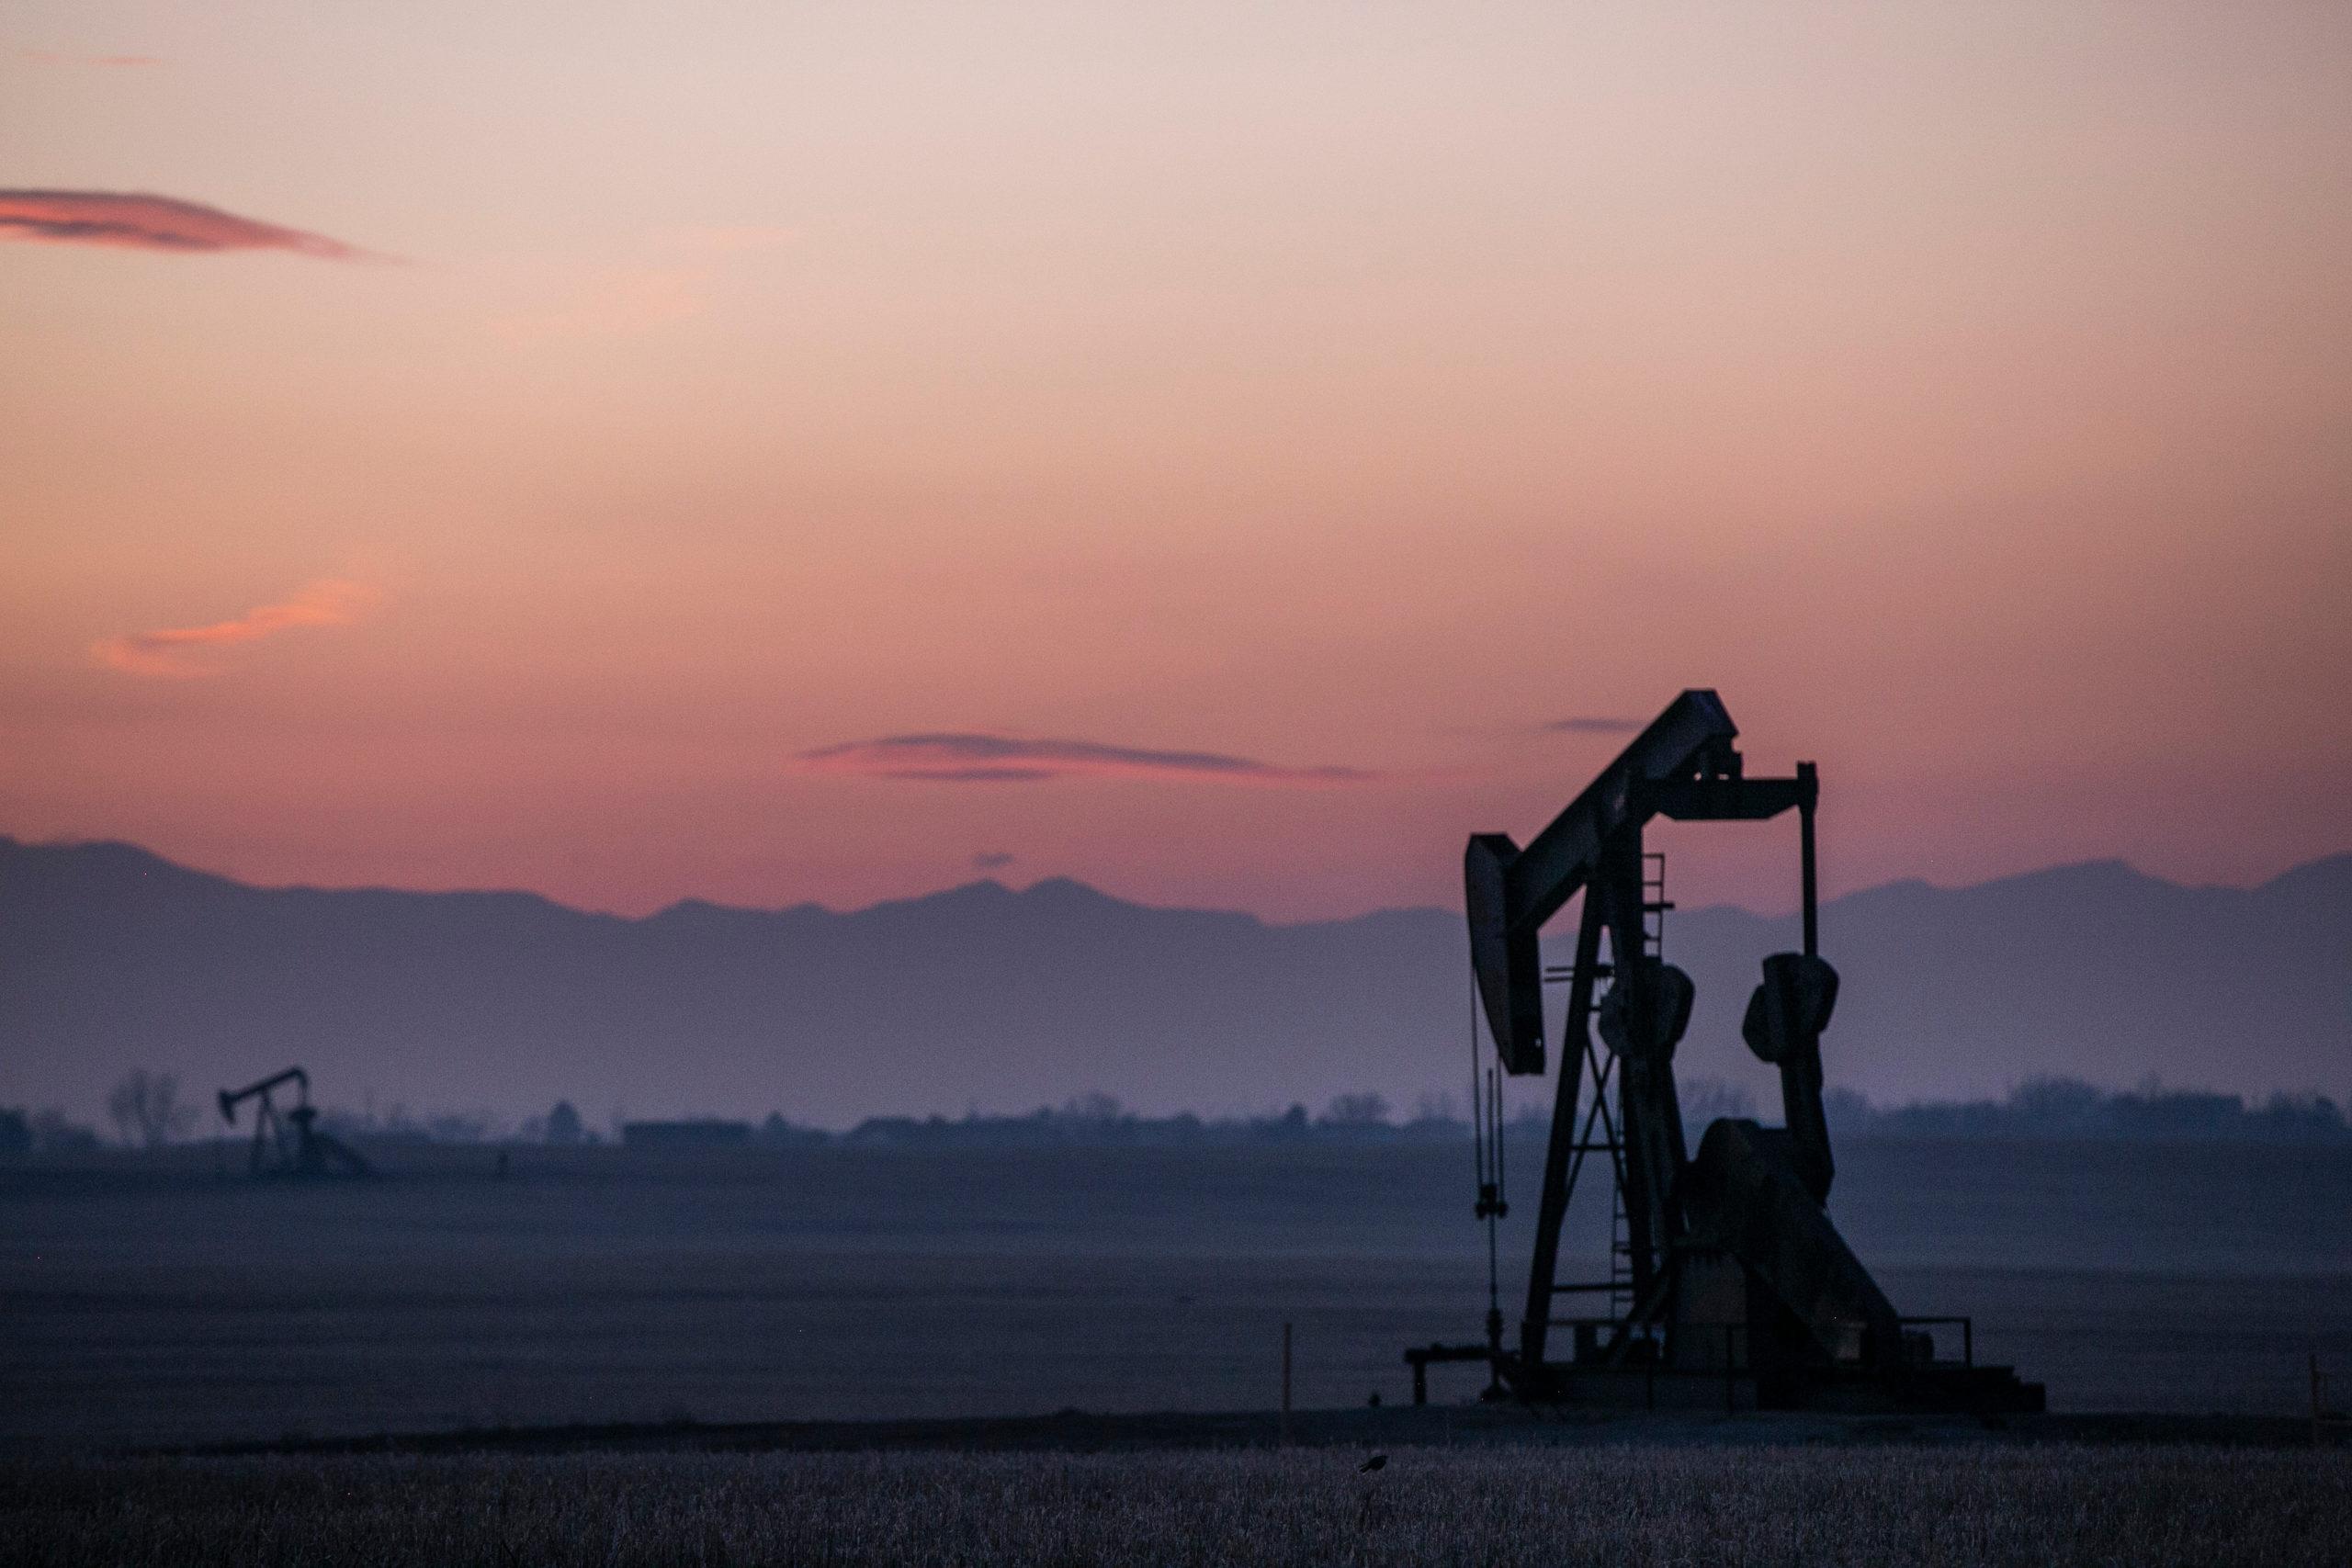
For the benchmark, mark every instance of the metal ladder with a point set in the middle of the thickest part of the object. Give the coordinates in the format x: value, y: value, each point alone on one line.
x: 1655, y: 907
x: 1655, y: 904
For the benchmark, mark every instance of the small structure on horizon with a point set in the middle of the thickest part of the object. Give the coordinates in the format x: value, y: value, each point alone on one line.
x: 288, y: 1143
x: 694, y: 1133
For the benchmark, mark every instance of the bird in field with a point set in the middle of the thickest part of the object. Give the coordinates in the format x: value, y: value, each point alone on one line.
x: 1377, y: 1462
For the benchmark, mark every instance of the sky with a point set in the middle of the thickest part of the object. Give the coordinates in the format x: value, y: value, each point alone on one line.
x: 1225, y: 452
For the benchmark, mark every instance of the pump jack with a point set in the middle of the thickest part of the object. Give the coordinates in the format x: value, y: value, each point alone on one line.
x: 1727, y: 1277
x: 286, y: 1143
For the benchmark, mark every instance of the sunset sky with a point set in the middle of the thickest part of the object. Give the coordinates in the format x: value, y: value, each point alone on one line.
x: 1225, y: 452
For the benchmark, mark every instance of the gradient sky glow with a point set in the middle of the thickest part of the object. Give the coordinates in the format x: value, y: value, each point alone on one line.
x: 660, y: 416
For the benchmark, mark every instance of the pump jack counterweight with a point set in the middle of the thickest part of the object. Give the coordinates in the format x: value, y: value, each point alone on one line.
x: 1727, y: 1274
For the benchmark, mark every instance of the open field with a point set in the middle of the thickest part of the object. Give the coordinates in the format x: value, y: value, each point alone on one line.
x: 148, y: 1303
x: 1623, y: 1505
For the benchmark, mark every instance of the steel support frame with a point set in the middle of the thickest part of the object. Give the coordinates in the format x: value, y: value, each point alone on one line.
x: 1648, y: 1128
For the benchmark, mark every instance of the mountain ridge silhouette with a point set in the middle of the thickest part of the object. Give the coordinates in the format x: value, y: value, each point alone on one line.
x: 112, y: 957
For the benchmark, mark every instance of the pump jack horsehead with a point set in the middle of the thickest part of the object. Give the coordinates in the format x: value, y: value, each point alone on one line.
x: 1727, y: 1282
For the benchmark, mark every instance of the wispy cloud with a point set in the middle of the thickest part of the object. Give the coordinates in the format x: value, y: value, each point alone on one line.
x: 175, y: 652
x: 51, y: 57
x: 1593, y: 724
x: 993, y: 860
x: 965, y: 758
x: 151, y: 223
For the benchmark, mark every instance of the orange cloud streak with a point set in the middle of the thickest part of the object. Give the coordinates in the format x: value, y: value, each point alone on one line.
x: 330, y: 602
x: 150, y: 223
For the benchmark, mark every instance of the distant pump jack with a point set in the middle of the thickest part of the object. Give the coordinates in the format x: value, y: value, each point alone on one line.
x: 1727, y: 1282
x: 288, y: 1143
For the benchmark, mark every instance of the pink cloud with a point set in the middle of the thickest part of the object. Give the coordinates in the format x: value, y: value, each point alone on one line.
x: 966, y: 758
x: 168, y: 652
x: 627, y: 300
x: 616, y: 303
x: 150, y: 223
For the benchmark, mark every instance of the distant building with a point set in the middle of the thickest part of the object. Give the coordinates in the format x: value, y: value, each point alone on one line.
x: 702, y: 1132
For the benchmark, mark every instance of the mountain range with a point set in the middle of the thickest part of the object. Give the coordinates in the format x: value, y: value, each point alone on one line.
x: 113, y: 958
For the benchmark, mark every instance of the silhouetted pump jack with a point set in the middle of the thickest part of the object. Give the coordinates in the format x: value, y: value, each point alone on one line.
x: 288, y: 1143
x: 1727, y: 1282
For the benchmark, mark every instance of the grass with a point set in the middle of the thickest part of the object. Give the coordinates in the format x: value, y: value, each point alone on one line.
x: 1625, y: 1506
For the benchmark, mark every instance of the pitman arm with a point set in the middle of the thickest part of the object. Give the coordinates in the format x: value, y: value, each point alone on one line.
x: 1785, y: 1017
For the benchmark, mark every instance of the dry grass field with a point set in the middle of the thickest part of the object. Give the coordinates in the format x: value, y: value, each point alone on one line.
x: 1625, y: 1506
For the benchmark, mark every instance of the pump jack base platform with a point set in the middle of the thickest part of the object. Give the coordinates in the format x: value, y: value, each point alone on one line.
x: 1941, y: 1387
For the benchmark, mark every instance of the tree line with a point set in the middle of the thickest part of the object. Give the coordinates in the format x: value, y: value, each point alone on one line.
x: 147, y: 1111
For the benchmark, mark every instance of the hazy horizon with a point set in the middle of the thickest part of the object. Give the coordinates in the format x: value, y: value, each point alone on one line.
x: 984, y: 996
x: 1763, y: 909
